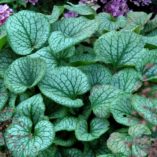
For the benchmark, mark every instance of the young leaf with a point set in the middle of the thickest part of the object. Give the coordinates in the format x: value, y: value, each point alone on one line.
x: 145, y: 108
x: 101, y: 98
x: 119, y: 143
x: 123, y: 111
x: 24, y: 73
x: 97, y: 128
x: 63, y: 85
x: 119, y: 48
x: 128, y: 80
x: 32, y: 108
x: 109, y: 23
x: 69, y: 32
x: 97, y: 74
x: 24, y: 139
x: 67, y: 123
x: 27, y: 31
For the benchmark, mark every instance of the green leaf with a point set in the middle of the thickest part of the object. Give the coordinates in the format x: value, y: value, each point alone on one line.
x: 97, y: 74
x: 20, y: 137
x: 6, y: 114
x: 73, y: 152
x: 119, y: 143
x: 127, y: 80
x: 137, y: 20
x: 57, y: 11
x: 3, y: 36
x: 109, y: 23
x: 27, y: 31
x: 119, y: 48
x: 123, y: 111
x: 3, y: 95
x: 6, y: 58
x: 97, y: 128
x: 139, y: 130
x: 101, y: 98
x: 145, y: 108
x: 24, y: 73
x: 151, y: 74
x: 67, y: 124
x: 50, y: 152
x: 64, y: 85
x: 69, y: 32
x: 32, y: 108
x: 80, y: 9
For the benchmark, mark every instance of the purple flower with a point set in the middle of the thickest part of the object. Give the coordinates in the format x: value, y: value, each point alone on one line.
x: 141, y: 2
x: 70, y: 14
x: 117, y: 7
x: 32, y: 1
x: 5, y: 12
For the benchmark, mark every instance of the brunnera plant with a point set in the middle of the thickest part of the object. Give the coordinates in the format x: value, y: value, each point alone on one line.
x: 72, y: 87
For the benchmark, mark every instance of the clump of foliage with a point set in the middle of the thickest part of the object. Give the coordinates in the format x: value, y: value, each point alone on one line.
x: 72, y: 87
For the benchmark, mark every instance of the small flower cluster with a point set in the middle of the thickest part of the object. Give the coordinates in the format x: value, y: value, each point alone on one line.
x: 32, y: 1
x: 115, y: 7
x: 5, y: 12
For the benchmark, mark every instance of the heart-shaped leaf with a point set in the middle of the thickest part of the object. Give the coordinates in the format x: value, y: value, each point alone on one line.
x: 24, y: 139
x: 27, y: 31
x: 97, y: 128
x: 123, y: 111
x: 109, y: 23
x: 101, y: 98
x: 32, y: 108
x: 63, y: 85
x: 119, y: 48
x: 97, y: 74
x: 24, y: 73
x: 128, y: 80
x: 69, y: 32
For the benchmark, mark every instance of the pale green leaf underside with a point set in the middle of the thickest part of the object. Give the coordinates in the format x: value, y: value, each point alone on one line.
x: 97, y: 74
x: 32, y: 108
x: 123, y: 111
x: 118, y: 143
x: 67, y: 124
x: 24, y: 73
x: 101, y: 98
x: 97, y: 128
x: 146, y: 108
x: 27, y: 31
x: 69, y: 32
x: 119, y: 48
x: 128, y: 80
x: 22, y: 142
x: 109, y: 23
x: 63, y: 85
